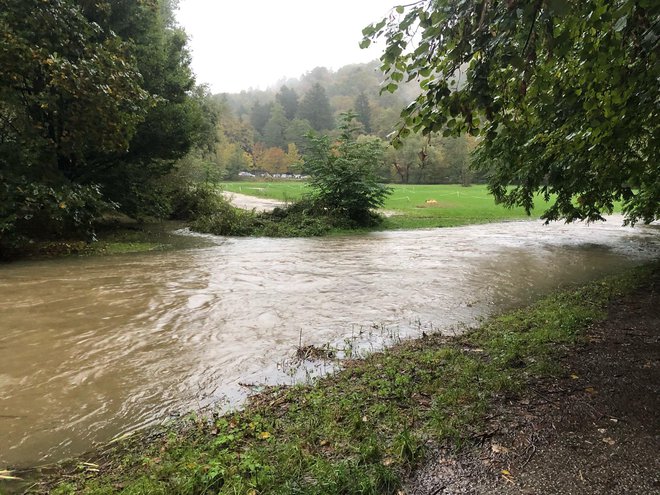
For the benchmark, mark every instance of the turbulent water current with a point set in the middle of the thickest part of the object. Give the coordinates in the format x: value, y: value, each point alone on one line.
x: 94, y: 347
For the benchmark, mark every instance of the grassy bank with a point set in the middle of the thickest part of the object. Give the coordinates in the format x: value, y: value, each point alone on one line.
x: 411, y: 206
x: 362, y: 429
x: 111, y: 240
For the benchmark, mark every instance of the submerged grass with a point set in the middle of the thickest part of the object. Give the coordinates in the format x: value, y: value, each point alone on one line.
x: 361, y: 430
x: 120, y: 240
x: 58, y: 249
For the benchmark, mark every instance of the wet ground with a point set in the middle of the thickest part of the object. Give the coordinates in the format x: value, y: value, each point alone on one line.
x: 251, y: 202
x: 596, y: 431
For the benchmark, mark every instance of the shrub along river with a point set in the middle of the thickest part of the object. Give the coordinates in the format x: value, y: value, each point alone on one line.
x: 94, y: 347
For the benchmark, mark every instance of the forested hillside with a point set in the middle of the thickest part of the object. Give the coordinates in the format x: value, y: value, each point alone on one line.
x: 264, y: 132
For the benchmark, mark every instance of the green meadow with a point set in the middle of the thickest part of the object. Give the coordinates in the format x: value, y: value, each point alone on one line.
x: 411, y: 206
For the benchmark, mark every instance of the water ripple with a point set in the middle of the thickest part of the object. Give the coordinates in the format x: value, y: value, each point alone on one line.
x: 92, y: 347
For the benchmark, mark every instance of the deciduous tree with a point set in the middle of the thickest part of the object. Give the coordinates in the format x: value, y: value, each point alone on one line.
x: 564, y: 94
x: 343, y: 174
x: 70, y: 91
x: 177, y: 120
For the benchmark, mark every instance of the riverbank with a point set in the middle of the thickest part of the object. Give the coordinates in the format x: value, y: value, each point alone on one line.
x: 111, y: 239
x: 591, y: 429
x: 366, y: 429
x: 409, y: 207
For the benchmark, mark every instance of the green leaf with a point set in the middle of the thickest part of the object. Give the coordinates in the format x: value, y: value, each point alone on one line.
x: 621, y: 23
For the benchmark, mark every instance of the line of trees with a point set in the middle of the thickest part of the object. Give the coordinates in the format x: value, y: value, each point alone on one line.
x: 99, y: 111
x: 264, y: 132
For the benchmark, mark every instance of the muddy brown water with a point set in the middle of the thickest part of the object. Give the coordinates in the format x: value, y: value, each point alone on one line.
x: 91, y: 348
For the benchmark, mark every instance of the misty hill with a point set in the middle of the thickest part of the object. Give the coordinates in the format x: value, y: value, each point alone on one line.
x: 342, y: 88
x: 264, y: 131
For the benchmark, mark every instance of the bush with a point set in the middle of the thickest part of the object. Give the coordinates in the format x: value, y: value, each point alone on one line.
x: 343, y: 174
x: 192, y: 201
x: 226, y: 220
x: 305, y: 218
x: 31, y: 211
x: 297, y: 220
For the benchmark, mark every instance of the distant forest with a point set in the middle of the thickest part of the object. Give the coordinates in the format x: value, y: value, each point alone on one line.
x: 263, y: 132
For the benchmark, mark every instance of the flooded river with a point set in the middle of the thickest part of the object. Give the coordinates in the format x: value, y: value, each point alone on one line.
x: 93, y: 347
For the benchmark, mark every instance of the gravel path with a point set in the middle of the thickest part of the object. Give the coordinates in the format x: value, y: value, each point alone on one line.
x: 251, y: 202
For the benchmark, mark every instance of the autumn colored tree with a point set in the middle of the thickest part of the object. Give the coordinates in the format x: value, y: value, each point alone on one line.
x: 294, y: 160
x: 273, y: 160
x: 231, y: 159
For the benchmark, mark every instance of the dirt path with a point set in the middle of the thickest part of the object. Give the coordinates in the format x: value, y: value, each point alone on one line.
x: 246, y: 202
x: 596, y: 431
x: 251, y: 202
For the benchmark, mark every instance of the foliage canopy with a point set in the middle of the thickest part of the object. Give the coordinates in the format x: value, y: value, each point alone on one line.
x: 563, y: 93
x: 97, y: 101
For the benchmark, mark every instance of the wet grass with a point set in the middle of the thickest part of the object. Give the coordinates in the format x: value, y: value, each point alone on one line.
x: 287, y: 191
x: 112, y: 240
x: 128, y: 247
x: 411, y: 206
x: 136, y: 239
x: 63, y: 248
x: 361, y: 430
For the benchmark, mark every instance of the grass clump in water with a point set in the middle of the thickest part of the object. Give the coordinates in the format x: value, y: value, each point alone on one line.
x: 363, y: 429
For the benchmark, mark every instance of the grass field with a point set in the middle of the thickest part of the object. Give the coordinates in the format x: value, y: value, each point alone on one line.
x: 411, y: 206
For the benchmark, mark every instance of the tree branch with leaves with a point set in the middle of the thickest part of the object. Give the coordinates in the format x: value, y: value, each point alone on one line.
x: 562, y: 93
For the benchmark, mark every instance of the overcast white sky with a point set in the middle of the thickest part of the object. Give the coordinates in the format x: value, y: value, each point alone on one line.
x: 242, y: 44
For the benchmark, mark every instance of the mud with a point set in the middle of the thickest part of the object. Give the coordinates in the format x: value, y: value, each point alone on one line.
x: 595, y: 431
